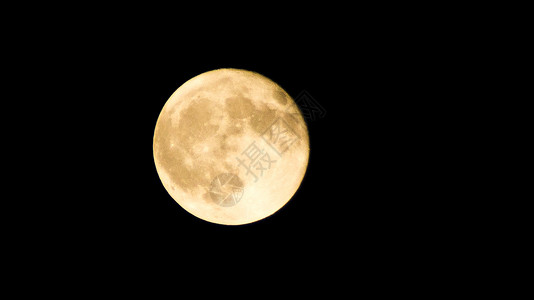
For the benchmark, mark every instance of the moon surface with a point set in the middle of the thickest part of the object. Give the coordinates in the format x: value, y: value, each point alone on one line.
x: 231, y: 146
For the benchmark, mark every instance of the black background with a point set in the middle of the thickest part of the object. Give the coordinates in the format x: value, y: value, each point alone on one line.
x: 383, y: 200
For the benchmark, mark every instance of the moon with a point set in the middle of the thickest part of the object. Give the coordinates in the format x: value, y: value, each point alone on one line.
x: 231, y: 146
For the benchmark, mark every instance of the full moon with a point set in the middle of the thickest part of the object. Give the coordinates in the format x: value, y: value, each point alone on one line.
x: 231, y: 146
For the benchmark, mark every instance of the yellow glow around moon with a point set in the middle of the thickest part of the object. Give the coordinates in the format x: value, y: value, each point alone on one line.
x: 231, y: 147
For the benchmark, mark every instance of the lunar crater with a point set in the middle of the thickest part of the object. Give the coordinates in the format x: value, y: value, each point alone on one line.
x: 280, y: 97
